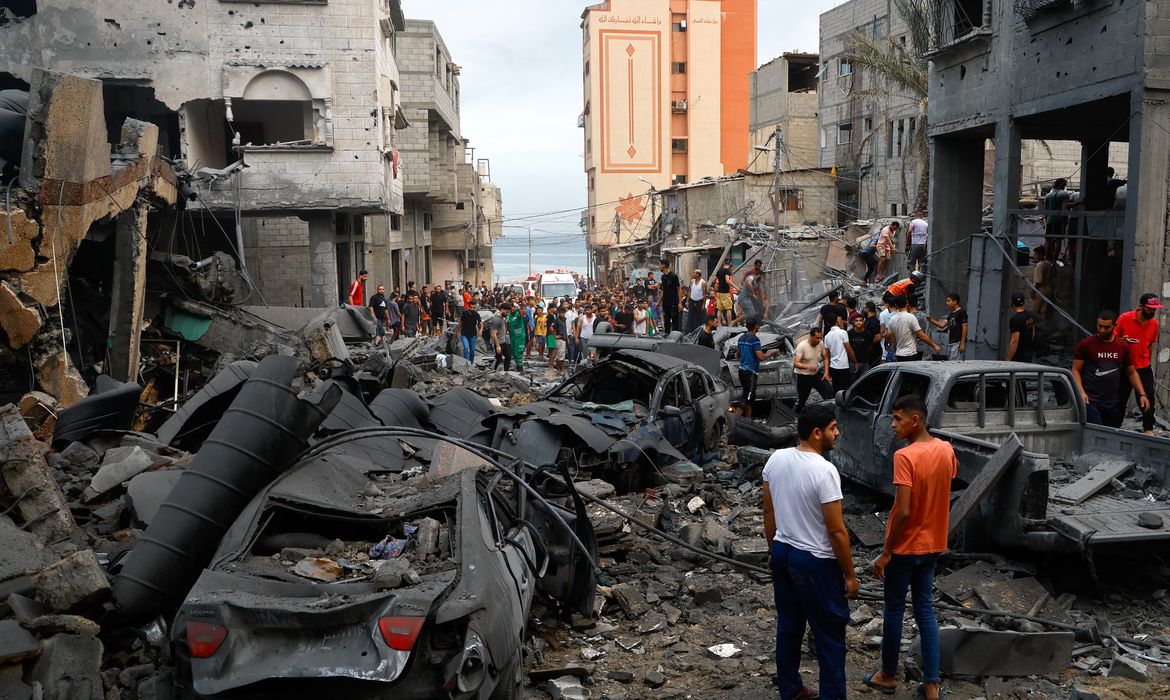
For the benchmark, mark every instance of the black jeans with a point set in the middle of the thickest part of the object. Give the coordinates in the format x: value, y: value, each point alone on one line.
x: 696, y: 314
x: 503, y: 356
x: 1146, y: 374
x: 842, y: 378
x: 805, y: 383
x: 669, y: 316
x: 747, y: 383
x: 870, y: 260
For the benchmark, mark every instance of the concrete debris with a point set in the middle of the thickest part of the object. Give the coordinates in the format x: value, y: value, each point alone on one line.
x: 120, y: 464
x: 321, y: 569
x: 70, y: 667
x: 1125, y: 666
x: 724, y: 651
x: 16, y: 644
x: 74, y: 582
x: 567, y: 688
x: 980, y: 652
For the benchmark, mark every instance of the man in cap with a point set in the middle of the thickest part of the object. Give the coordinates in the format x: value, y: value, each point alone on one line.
x: 1022, y: 328
x: 1139, y: 329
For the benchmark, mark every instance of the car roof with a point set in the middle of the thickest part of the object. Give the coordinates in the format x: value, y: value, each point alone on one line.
x: 958, y: 368
x: 656, y: 359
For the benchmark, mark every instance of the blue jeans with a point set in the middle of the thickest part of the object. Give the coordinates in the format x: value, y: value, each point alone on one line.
x: 916, y: 573
x: 468, y: 348
x: 811, y: 591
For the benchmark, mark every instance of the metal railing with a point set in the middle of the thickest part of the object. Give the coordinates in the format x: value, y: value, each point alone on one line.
x: 1030, y: 8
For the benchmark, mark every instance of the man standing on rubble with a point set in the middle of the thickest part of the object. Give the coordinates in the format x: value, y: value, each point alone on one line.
x: 468, y: 329
x: 916, y: 534
x: 751, y: 353
x: 917, y: 234
x: 1022, y: 332
x: 357, y: 289
x: 811, y: 561
x: 724, y: 289
x: 379, y: 307
x: 905, y: 333
x: 1139, y: 329
x: 1098, y: 362
x: 810, y: 353
x: 411, y: 314
x: 496, y: 333
x: 438, y: 309
x: 671, y: 302
x: 842, y: 357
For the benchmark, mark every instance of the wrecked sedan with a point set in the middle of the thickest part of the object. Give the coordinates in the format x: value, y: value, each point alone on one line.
x: 634, y: 418
x: 388, y: 563
x: 775, y: 382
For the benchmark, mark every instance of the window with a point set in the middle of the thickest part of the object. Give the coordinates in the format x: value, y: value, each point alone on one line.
x: 586, y: 67
x: 824, y: 137
x: 272, y: 122
x: 426, y: 222
x: 868, y: 124
x: 674, y: 396
x: 1056, y: 393
x: 439, y: 67
x: 867, y: 394
x: 678, y: 145
x: 965, y: 394
x: 889, y: 139
x: 844, y: 133
x: 590, y: 182
x: 901, y: 132
x: 912, y: 383
x: 679, y: 26
x: 893, y: 210
x: 396, y: 222
x: 695, y: 385
x: 844, y: 67
x: 968, y: 16
x: 678, y: 179
x: 678, y: 67
x: 791, y: 200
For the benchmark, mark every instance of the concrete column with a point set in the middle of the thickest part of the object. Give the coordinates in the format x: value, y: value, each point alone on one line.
x: 129, y: 289
x: 956, y: 212
x: 1096, y: 274
x: 1147, y: 260
x: 377, y: 241
x: 989, y: 278
x: 322, y: 260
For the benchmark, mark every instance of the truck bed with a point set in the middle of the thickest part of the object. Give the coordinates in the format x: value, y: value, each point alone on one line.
x: 1109, y: 519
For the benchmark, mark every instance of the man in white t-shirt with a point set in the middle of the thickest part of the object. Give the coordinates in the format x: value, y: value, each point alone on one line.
x: 841, y: 357
x: 917, y: 234
x: 810, y: 367
x: 584, y: 333
x: 906, y: 333
x: 811, y: 562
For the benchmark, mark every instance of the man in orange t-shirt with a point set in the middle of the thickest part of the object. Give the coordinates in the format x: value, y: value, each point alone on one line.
x: 915, y: 535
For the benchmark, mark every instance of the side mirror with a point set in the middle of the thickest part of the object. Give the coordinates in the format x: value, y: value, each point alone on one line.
x: 671, y: 411
x: 840, y: 398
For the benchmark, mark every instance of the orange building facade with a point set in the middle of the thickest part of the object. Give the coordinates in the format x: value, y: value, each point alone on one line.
x: 666, y: 96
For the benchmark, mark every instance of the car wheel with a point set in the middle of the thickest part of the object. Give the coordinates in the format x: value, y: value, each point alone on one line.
x: 511, y: 686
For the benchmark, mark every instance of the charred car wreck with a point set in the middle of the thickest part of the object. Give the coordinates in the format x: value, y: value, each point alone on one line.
x: 386, y: 563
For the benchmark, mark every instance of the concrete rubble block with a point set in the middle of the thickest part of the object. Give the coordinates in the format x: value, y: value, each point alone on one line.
x: 120, y: 464
x: 12, y: 685
x: 49, y: 625
x: 724, y: 651
x: 22, y: 552
x: 21, y: 322
x: 578, y: 670
x: 146, y: 492
x: 75, y: 581
x: 57, y: 376
x: 24, y: 471
x: 567, y: 688
x: 37, y: 405
x: 16, y: 252
x: 72, y: 128
x: 980, y: 652
x: 69, y: 667
x: 753, y: 550
x: 1125, y: 666
x: 323, y: 340
x: 16, y: 644
x: 629, y: 600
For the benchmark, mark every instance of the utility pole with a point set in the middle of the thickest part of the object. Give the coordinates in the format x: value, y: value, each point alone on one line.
x: 777, y: 155
x: 653, y: 210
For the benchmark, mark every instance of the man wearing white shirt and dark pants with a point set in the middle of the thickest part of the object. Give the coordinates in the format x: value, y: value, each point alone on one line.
x: 811, y: 562
x: 917, y: 234
x: 841, y: 357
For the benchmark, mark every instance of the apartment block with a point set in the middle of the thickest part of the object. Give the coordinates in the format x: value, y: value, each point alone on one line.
x: 666, y: 101
x: 784, y: 102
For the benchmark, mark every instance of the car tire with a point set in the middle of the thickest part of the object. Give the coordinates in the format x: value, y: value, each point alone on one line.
x: 511, y: 685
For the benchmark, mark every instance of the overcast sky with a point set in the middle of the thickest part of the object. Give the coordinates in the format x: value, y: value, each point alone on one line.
x: 521, y: 92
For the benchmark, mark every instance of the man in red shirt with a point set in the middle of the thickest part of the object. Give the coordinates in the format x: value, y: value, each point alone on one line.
x: 1139, y: 329
x: 1098, y: 363
x: 357, y: 290
x: 915, y: 536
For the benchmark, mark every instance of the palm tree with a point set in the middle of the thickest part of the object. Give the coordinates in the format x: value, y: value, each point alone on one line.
x: 902, y: 72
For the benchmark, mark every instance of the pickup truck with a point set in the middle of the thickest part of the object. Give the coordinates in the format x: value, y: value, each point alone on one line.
x: 977, y: 406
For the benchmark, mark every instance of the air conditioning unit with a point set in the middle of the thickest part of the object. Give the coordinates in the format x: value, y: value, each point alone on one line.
x: 678, y: 106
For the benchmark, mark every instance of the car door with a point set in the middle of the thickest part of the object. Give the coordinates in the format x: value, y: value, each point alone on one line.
x: 856, y: 417
x: 673, y: 413
x: 702, y: 399
x: 885, y: 443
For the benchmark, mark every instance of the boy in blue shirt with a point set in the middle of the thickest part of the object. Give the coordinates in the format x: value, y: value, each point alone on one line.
x: 750, y: 354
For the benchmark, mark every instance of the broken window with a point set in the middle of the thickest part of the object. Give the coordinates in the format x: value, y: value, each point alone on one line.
x: 844, y: 133
x: 867, y: 394
x: 913, y: 383
x: 791, y: 200
x: 968, y: 15
x: 844, y: 67
x: 802, y: 76
x: 1056, y: 394
x: 138, y: 102
x: 273, y: 122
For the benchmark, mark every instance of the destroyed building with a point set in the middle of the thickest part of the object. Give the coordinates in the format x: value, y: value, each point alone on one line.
x: 994, y: 76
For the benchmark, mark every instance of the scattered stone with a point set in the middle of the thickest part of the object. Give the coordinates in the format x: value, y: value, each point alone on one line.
x: 120, y: 464
x: 620, y: 676
x: 872, y: 627
x: 1079, y: 694
x: 591, y: 654
x: 753, y: 550
x: 24, y: 609
x: 1126, y: 666
x: 12, y: 686
x: 695, y: 505
x: 16, y: 644
x: 629, y: 600
x: 1151, y: 521
x: 22, y: 552
x: 567, y: 688
x: 393, y: 573
x: 146, y: 492
x: 75, y: 581
x: 861, y: 615
x: 69, y: 667
x: 24, y: 471
x: 723, y: 651
x: 541, y: 675
x: 654, y: 679
x: 704, y: 592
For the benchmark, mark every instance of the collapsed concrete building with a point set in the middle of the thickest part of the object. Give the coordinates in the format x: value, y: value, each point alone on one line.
x: 291, y: 115
x: 1091, y: 72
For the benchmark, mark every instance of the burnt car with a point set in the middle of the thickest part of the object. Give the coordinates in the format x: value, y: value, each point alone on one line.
x: 634, y: 418
x: 775, y: 382
x: 388, y: 563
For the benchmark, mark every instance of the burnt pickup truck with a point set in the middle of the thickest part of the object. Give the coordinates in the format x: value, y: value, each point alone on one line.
x: 980, y: 405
